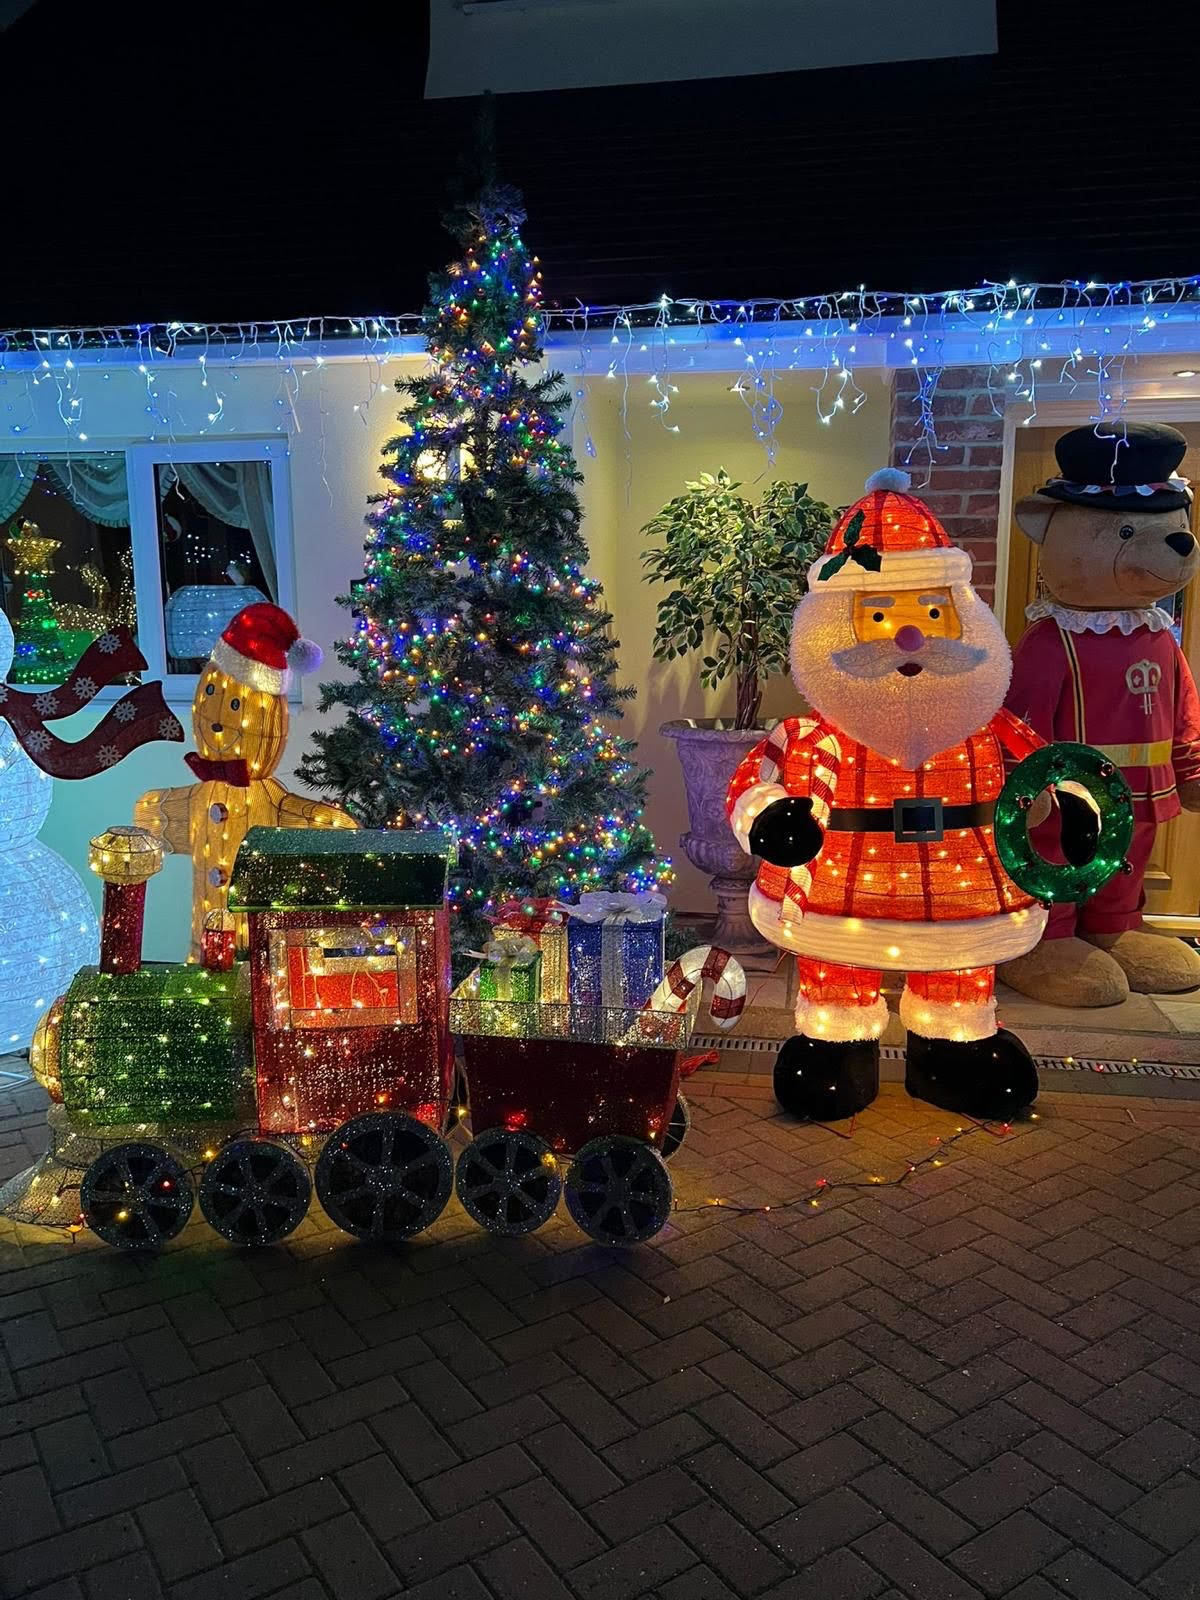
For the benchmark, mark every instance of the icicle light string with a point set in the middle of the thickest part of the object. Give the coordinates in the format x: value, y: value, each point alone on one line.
x: 1017, y: 329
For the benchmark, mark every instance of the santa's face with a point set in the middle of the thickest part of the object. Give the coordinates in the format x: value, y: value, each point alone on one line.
x: 907, y: 672
x: 231, y: 721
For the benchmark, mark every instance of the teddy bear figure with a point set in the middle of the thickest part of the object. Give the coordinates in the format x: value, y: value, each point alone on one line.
x: 240, y: 724
x: 1100, y: 665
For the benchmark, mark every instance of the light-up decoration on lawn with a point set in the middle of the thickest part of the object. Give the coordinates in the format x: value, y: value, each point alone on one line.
x: 39, y: 655
x: 198, y: 613
x: 125, y: 859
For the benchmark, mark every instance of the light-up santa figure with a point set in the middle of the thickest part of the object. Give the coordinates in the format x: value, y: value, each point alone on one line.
x: 873, y: 818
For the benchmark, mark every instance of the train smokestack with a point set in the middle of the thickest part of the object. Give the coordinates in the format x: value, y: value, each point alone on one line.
x: 126, y: 858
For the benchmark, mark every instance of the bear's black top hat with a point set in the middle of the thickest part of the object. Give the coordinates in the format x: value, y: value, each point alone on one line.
x: 1121, y: 466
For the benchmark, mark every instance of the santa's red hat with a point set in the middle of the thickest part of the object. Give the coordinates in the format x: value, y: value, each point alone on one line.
x: 888, y: 539
x: 260, y: 645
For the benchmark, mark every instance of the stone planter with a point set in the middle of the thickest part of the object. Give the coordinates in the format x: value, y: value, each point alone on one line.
x: 709, y: 753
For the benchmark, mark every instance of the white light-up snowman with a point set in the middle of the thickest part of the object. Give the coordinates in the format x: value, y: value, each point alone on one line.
x: 48, y: 927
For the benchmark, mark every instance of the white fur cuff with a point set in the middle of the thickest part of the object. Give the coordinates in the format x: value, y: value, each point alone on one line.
x: 816, y: 1020
x: 947, y: 1019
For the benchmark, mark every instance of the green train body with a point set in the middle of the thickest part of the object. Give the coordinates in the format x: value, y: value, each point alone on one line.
x: 165, y: 1044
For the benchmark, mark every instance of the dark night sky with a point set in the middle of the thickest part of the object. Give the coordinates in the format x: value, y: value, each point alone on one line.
x: 232, y: 161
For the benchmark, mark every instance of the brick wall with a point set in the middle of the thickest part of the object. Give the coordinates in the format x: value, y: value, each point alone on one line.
x: 962, y: 484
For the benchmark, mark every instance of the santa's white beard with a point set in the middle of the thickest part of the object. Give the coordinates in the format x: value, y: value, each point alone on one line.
x: 906, y: 719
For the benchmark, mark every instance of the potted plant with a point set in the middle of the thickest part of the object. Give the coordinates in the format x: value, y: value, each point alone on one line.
x: 737, y: 570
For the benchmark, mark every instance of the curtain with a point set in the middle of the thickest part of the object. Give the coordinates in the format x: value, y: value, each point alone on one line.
x: 16, y: 479
x: 239, y: 492
x: 97, y: 485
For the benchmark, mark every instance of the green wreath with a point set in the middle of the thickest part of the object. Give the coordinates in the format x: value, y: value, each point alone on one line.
x: 1051, y: 765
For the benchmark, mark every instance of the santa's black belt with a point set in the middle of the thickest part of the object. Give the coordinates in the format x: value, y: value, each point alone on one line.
x: 913, y: 820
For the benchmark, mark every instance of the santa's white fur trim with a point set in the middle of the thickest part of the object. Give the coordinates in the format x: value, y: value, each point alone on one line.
x: 817, y: 1020
x: 899, y: 569
x: 305, y: 656
x: 894, y: 479
x: 884, y: 944
x: 947, y: 1019
x: 749, y: 805
x: 267, y: 680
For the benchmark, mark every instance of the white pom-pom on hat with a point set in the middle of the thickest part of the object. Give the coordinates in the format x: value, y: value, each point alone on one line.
x: 305, y: 656
x: 894, y: 479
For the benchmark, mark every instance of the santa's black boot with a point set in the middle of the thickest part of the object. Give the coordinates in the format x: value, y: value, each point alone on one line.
x: 826, y: 1079
x: 990, y: 1079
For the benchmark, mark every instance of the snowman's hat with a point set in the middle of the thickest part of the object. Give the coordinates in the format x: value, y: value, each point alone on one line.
x: 262, y: 646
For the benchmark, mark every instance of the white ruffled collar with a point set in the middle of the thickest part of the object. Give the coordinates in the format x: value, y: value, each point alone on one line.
x: 1152, y: 617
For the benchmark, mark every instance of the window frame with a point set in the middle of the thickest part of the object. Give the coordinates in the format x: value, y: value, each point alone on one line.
x: 141, y: 458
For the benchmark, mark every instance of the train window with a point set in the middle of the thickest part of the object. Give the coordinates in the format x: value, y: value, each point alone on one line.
x: 344, y: 976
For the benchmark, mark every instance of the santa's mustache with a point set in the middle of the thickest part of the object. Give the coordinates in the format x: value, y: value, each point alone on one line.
x: 875, y: 658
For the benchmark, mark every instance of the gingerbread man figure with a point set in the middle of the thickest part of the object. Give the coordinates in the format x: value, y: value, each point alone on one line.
x: 240, y: 725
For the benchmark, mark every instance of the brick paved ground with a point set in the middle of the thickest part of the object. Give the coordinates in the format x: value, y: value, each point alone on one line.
x: 984, y: 1382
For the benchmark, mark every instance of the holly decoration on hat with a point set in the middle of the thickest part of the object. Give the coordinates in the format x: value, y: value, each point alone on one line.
x: 865, y: 554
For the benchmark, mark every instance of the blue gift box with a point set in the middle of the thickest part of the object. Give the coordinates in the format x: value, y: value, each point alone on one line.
x: 615, y: 949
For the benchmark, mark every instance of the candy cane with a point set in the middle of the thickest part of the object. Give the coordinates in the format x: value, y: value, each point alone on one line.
x: 822, y: 782
x: 704, y: 961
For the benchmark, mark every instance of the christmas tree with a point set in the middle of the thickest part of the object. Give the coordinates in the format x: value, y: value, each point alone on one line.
x: 40, y: 657
x: 482, y: 659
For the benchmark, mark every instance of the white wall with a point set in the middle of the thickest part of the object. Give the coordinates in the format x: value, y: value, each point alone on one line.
x: 522, y: 45
x: 335, y: 453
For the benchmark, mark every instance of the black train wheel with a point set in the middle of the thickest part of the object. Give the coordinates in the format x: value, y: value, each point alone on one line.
x: 255, y: 1192
x: 677, y: 1129
x: 508, y: 1181
x: 384, y: 1176
x: 136, y: 1196
x: 618, y: 1190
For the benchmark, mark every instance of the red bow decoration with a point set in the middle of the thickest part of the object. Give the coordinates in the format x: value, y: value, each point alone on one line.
x: 235, y: 772
x: 137, y: 717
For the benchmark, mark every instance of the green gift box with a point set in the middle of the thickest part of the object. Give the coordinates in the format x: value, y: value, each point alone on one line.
x: 511, y: 969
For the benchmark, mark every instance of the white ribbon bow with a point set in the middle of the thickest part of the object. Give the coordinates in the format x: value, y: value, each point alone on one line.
x: 600, y: 906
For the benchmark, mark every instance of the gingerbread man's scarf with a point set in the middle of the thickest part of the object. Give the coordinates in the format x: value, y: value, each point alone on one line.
x: 135, y: 719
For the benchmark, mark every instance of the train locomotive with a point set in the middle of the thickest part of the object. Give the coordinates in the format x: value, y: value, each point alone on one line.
x: 327, y: 1062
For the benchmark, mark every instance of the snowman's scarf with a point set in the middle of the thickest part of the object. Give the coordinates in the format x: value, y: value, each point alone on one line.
x: 135, y: 719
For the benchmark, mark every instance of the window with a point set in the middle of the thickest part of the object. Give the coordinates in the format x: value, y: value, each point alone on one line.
x: 170, y: 539
x: 344, y: 976
x: 67, y: 559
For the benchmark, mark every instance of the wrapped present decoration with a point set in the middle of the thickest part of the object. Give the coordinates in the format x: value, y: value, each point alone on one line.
x: 511, y: 970
x: 545, y: 922
x: 615, y: 949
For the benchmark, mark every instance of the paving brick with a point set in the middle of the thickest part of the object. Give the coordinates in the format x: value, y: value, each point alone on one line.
x: 924, y: 1516
x: 1077, y: 1573
x: 477, y: 1435
x: 262, y: 1421
x: 912, y: 1405
x: 644, y: 1504
x: 911, y: 1567
x: 64, y: 1553
x: 314, y: 1458
x: 1153, y: 1453
x: 807, y: 1421
x: 295, y: 1374
x: 516, y: 1571
x: 995, y: 1490
x: 478, y: 1479
x: 1084, y: 1525
x: 552, y: 1522
x: 930, y: 1466
x: 417, y: 1447
x: 748, y: 1494
x: 840, y: 1575
x: 985, y: 1433
x: 179, y: 1535
x: 71, y: 1451
x: 120, y: 1491
x: 633, y: 1568
x: 429, y: 1552
x: 349, y: 1560
x: 822, y: 1525
x: 1169, y: 1514
x: 250, y: 1576
x: 697, y: 1583
x: 378, y: 1494
x: 728, y: 1548
x: 283, y: 1514
x: 166, y: 1438
x: 130, y: 1577
x: 178, y: 1399
x: 461, y: 1583
x: 823, y: 1466
x: 27, y: 1509
x: 730, y: 1419
x: 118, y: 1403
x: 160, y: 1356
x: 581, y: 1473
x: 597, y: 1420
x: 1009, y: 1552
x: 222, y: 1475
x: 810, y: 1373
